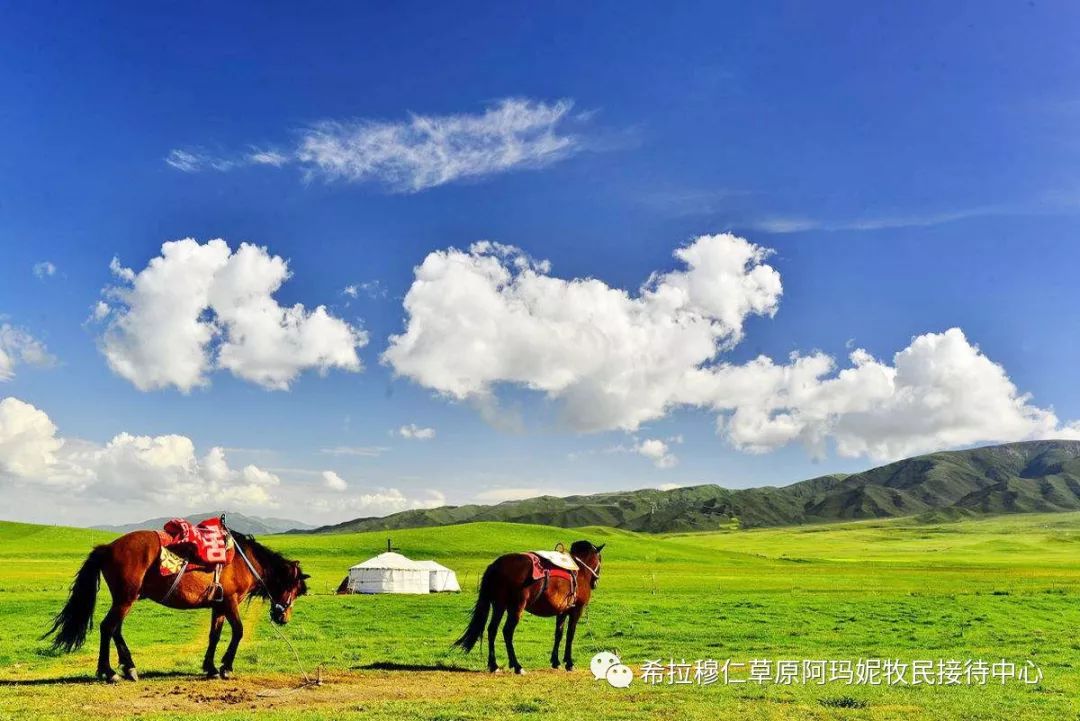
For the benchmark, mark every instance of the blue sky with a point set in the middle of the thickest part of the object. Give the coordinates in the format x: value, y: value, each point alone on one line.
x: 913, y: 169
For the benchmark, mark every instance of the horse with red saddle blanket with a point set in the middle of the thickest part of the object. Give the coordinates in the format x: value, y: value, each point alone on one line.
x: 544, y: 583
x: 184, y: 567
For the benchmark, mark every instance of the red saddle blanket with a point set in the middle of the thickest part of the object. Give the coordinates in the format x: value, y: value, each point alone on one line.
x: 206, y: 543
x: 541, y: 567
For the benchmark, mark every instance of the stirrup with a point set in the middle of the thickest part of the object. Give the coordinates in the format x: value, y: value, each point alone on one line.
x: 216, y: 593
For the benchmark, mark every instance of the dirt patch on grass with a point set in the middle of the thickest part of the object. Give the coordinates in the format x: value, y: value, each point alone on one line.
x: 183, y: 696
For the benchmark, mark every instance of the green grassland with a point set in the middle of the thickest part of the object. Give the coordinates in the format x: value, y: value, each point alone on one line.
x: 956, y: 589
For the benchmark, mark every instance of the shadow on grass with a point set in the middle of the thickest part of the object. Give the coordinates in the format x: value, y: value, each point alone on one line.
x: 90, y: 678
x: 391, y: 666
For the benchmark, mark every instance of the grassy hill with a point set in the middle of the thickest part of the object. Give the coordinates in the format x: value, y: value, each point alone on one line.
x: 985, y: 587
x: 1011, y: 478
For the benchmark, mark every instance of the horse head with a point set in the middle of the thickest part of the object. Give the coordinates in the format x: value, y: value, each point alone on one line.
x: 281, y: 581
x: 287, y: 586
x: 588, y: 555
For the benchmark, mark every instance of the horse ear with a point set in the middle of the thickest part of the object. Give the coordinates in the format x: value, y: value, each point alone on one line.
x: 600, y: 547
x: 304, y: 576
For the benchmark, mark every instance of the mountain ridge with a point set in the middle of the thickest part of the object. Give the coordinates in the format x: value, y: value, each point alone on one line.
x: 239, y: 522
x: 1027, y: 476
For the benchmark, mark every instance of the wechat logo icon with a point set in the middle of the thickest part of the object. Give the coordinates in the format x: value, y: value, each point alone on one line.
x: 607, y: 666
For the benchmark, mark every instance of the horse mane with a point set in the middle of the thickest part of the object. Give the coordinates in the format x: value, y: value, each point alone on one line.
x: 583, y: 547
x: 275, y: 565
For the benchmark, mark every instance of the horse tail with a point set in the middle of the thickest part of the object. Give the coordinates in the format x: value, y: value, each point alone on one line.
x: 480, y: 611
x: 74, y: 620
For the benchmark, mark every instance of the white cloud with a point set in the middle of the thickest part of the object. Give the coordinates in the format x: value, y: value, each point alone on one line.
x: 17, y: 347
x: 183, y: 160
x: 420, y: 152
x: 267, y: 157
x: 415, y: 432
x: 132, y: 476
x: 373, y: 289
x: 492, y: 315
x: 657, y: 451
x: 124, y: 274
x: 502, y: 494
x: 199, y: 307
x: 363, y: 451
x: 380, y: 502
x: 940, y: 392
x: 295, y: 471
x: 164, y: 469
x: 99, y: 312
x: 28, y: 442
x: 782, y: 224
x: 333, y: 481
x: 429, y: 150
x: 615, y: 360
x: 44, y: 269
x: 195, y: 161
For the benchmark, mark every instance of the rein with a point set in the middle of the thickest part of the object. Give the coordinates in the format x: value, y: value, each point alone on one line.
x: 596, y: 573
x: 308, y: 681
x: 275, y: 606
x: 240, y: 550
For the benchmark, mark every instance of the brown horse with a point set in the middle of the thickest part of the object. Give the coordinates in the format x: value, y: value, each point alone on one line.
x: 130, y: 567
x: 508, y: 587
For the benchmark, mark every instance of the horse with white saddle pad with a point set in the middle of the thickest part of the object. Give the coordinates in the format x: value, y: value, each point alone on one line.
x: 544, y: 583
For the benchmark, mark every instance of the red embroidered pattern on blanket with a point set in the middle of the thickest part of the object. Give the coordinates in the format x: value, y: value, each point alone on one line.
x: 206, y: 543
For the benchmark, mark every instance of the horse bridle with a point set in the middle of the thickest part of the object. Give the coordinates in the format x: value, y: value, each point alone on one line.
x: 275, y: 606
x: 595, y: 573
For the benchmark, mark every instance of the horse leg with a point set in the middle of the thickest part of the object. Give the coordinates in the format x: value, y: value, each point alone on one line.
x: 513, y: 615
x: 108, y: 628
x: 124, y: 571
x: 127, y: 664
x: 236, y: 626
x: 568, y: 658
x: 217, y: 620
x: 492, y: 631
x: 559, y: 621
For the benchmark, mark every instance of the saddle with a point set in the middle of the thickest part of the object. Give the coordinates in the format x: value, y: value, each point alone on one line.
x: 553, y: 564
x: 559, y: 559
x: 187, y: 547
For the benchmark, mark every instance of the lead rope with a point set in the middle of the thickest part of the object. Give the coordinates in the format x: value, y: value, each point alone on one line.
x: 588, y: 629
x: 588, y: 625
x: 308, y: 681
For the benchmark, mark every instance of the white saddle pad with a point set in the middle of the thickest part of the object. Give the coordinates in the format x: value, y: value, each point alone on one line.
x: 560, y: 559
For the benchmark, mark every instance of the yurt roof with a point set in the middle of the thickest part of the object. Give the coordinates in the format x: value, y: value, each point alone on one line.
x: 391, y: 561
x: 432, y: 566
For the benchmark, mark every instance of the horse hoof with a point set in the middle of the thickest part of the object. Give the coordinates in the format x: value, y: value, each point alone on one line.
x: 519, y: 671
x: 494, y: 670
x: 131, y: 674
x: 109, y: 676
x: 225, y: 673
x: 554, y: 664
x: 569, y: 667
x: 212, y: 673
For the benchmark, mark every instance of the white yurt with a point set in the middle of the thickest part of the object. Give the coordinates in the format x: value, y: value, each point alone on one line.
x: 442, y: 578
x: 389, y: 573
